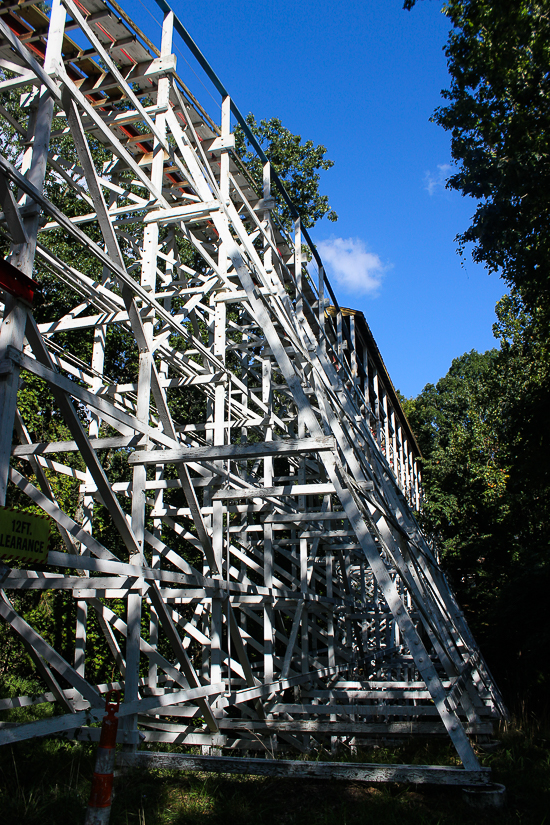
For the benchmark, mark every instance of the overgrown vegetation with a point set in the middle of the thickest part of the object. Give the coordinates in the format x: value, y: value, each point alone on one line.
x: 483, y: 428
x: 46, y: 782
x: 483, y: 433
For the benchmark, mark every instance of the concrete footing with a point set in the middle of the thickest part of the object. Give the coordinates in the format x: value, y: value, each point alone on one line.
x: 486, y: 796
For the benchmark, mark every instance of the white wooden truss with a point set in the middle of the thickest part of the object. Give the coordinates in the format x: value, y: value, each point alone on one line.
x: 261, y: 584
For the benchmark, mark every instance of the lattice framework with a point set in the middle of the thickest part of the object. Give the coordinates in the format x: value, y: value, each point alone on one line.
x: 246, y: 446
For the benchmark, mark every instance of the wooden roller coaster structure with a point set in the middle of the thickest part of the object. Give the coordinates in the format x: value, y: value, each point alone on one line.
x: 233, y: 490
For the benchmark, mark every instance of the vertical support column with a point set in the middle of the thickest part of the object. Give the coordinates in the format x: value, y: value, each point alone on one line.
x: 224, y: 156
x: 12, y: 331
x: 329, y: 573
x: 268, y: 607
x: 268, y: 223
x: 339, y: 340
x: 220, y: 391
x: 244, y: 379
x: 386, y: 426
x: 395, y: 464
x: 331, y: 647
x: 416, y: 471
x: 345, y: 559
x: 321, y: 308
x: 353, y: 354
x: 148, y: 281
x: 401, y: 476
x: 207, y: 502
x: 97, y: 363
x: 406, y: 457
x: 152, y: 679
x: 376, y: 387
x: 267, y: 397
x: 80, y: 637
x: 305, y: 611
x: 303, y: 555
x: 376, y: 613
x: 365, y: 383
x: 298, y: 267
x: 216, y: 628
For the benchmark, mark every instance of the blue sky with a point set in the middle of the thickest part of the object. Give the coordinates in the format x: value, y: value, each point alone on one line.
x: 361, y: 78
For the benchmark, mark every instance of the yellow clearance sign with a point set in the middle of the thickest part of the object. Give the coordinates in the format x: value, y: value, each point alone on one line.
x: 24, y: 536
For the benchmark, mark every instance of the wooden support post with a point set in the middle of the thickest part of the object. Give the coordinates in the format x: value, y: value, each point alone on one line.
x: 237, y: 435
x: 322, y: 307
x: 22, y: 254
x: 298, y: 267
x: 386, y: 426
x: 376, y: 388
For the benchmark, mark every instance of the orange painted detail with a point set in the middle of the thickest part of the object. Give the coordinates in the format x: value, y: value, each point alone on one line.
x: 82, y: 8
x: 102, y: 790
x: 124, y: 52
x: 16, y: 283
x: 102, y: 783
x: 110, y: 721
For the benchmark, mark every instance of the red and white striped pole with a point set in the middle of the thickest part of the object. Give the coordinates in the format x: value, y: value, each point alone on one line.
x: 101, y: 796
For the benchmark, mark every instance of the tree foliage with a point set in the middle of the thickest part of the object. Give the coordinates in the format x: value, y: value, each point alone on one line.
x: 297, y: 164
x: 484, y: 436
x: 483, y: 427
x: 498, y: 114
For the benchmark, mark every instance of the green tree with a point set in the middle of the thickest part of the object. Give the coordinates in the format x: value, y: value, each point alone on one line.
x: 465, y: 466
x: 297, y: 164
x: 498, y: 114
x: 483, y: 428
x: 483, y: 433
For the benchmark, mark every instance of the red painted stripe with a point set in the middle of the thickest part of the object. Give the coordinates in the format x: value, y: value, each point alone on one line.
x: 106, y: 33
x: 82, y: 8
x: 102, y: 790
x: 130, y: 58
x: 16, y: 283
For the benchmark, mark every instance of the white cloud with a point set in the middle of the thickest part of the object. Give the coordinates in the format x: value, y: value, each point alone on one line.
x: 353, y: 268
x: 437, y: 180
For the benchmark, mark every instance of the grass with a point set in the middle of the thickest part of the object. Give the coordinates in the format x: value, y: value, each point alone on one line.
x: 47, y: 782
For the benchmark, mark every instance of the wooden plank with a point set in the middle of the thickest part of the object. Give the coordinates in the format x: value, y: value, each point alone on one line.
x: 70, y: 723
x: 47, y: 727
x: 380, y: 709
x: 311, y: 515
x: 349, y: 772
x: 45, y: 447
x: 275, y: 492
x: 234, y: 452
x: 350, y: 727
x: 195, y: 210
